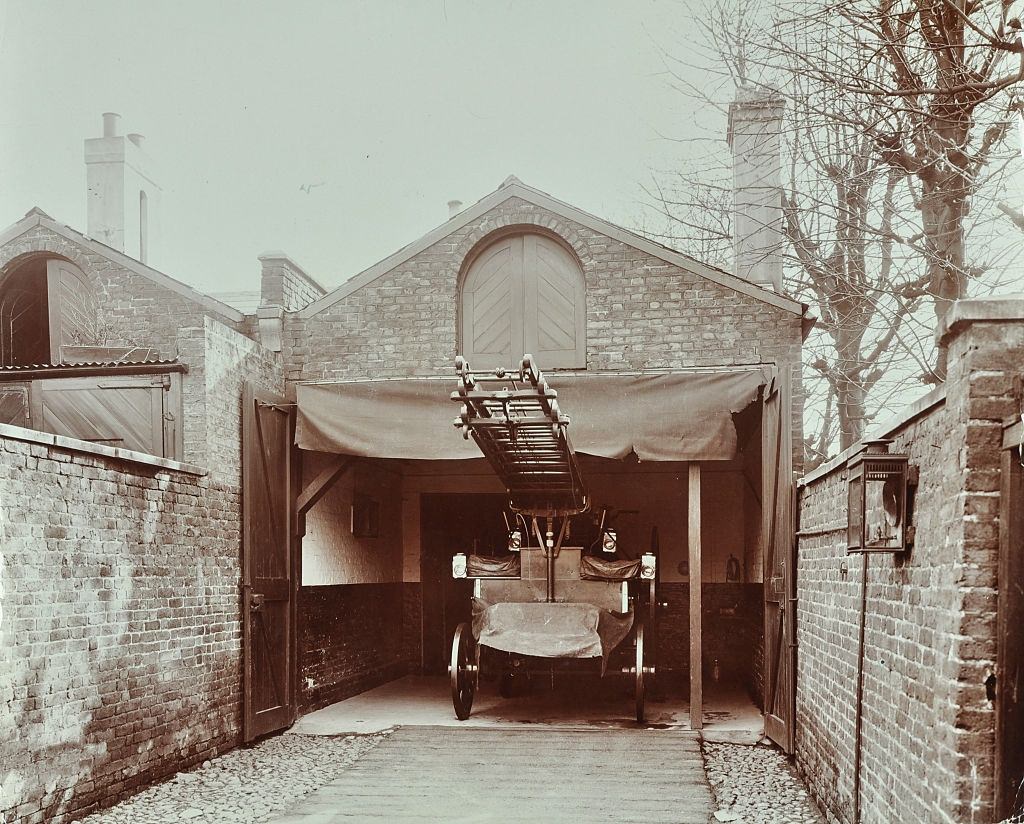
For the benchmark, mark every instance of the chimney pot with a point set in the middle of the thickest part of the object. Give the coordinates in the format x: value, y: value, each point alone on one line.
x: 136, y: 138
x: 454, y: 207
x: 110, y: 121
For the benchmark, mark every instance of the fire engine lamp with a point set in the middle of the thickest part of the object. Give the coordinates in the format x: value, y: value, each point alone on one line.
x: 648, y: 566
x: 877, y: 500
x: 515, y: 540
x: 459, y: 565
x: 609, y: 541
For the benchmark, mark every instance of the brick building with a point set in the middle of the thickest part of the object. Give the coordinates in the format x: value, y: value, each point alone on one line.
x: 157, y: 518
x: 923, y: 721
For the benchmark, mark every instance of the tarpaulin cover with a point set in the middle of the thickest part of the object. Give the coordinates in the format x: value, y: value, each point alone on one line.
x: 678, y: 416
x: 600, y: 569
x: 480, y: 566
x: 550, y: 630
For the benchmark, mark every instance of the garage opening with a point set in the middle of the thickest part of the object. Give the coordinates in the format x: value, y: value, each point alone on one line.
x: 455, y: 504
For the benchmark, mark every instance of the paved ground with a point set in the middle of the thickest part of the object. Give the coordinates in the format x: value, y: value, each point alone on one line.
x: 729, y: 714
x: 444, y: 774
x: 555, y: 755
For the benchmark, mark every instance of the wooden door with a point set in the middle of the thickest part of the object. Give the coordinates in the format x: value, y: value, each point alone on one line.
x: 269, y: 567
x: 449, y: 524
x: 524, y: 293
x: 778, y: 511
x: 1009, y: 681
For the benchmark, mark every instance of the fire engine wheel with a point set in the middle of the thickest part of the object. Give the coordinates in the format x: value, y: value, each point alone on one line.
x: 463, y: 670
x: 641, y: 687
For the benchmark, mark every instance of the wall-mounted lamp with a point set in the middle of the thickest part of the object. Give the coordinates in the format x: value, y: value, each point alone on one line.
x: 877, y: 499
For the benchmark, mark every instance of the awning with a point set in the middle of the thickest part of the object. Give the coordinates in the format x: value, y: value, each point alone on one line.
x: 676, y: 416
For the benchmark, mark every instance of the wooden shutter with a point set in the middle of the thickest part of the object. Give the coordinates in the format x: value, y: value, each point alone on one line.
x: 524, y: 293
x: 72, y: 308
x: 555, y: 313
x: 137, y: 412
x: 492, y: 306
x: 778, y: 510
x: 14, y: 404
x: 269, y: 567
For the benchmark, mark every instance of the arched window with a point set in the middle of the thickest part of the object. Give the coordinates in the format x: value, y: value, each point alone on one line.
x: 45, y: 303
x: 524, y: 293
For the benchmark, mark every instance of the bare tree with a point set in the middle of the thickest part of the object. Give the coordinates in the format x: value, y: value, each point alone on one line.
x: 858, y: 247
x: 939, y: 75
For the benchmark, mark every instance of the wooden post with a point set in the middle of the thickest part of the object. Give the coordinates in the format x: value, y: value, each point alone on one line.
x: 696, y: 654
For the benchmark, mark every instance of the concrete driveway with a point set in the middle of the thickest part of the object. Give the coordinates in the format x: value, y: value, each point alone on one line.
x: 729, y: 716
x: 480, y: 774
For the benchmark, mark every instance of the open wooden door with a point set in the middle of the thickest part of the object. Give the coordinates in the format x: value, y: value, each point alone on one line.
x: 777, y: 514
x: 1009, y: 681
x: 269, y: 568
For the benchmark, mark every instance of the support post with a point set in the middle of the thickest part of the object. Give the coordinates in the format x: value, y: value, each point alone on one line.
x: 319, y: 487
x: 696, y: 652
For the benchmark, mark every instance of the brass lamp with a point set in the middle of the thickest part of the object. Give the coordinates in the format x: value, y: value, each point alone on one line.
x: 877, y: 499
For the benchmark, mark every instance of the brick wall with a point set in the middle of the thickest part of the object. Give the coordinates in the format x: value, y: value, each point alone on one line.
x: 350, y: 640
x: 927, y: 747
x: 732, y: 633
x: 220, y: 360
x: 124, y: 632
x: 284, y: 283
x: 641, y: 313
x: 133, y: 310
x: 120, y: 638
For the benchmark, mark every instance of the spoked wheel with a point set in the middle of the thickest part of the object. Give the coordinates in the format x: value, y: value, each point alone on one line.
x: 641, y: 686
x: 463, y: 670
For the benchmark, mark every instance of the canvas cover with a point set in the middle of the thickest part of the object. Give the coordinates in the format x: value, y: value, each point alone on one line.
x: 677, y: 416
x: 550, y: 630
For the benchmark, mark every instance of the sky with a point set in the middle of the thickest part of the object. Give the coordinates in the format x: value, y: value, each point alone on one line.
x: 384, y: 111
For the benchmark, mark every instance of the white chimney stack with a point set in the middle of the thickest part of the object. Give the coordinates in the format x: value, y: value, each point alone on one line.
x: 755, y: 125
x: 123, y: 199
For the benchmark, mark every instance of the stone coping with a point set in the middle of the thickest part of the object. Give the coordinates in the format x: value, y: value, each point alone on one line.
x: 1000, y: 309
x: 19, y: 433
x: 296, y: 268
x: 911, y: 411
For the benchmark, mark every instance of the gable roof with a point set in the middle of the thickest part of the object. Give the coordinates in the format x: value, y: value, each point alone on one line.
x: 515, y: 188
x: 37, y: 217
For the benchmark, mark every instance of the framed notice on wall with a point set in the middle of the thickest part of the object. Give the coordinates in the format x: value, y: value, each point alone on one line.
x: 365, y: 516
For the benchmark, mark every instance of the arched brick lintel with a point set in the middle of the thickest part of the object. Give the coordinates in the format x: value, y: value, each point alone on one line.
x: 499, y: 225
x: 26, y: 248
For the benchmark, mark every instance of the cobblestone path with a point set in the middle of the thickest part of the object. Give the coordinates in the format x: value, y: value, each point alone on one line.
x: 245, y: 785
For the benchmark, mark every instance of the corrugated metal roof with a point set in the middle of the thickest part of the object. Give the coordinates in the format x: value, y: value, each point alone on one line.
x: 26, y: 367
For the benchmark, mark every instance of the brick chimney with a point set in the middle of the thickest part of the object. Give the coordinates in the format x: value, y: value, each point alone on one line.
x: 755, y: 125
x: 284, y: 287
x: 123, y: 199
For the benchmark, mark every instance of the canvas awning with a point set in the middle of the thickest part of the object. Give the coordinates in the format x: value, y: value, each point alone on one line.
x: 676, y: 416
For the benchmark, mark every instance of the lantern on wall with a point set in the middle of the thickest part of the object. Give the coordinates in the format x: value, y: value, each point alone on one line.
x: 877, y: 499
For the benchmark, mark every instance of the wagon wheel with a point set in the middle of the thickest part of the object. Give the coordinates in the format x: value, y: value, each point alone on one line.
x: 641, y: 687
x: 463, y: 670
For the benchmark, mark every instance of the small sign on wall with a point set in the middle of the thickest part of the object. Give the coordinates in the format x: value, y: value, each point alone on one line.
x: 365, y: 516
